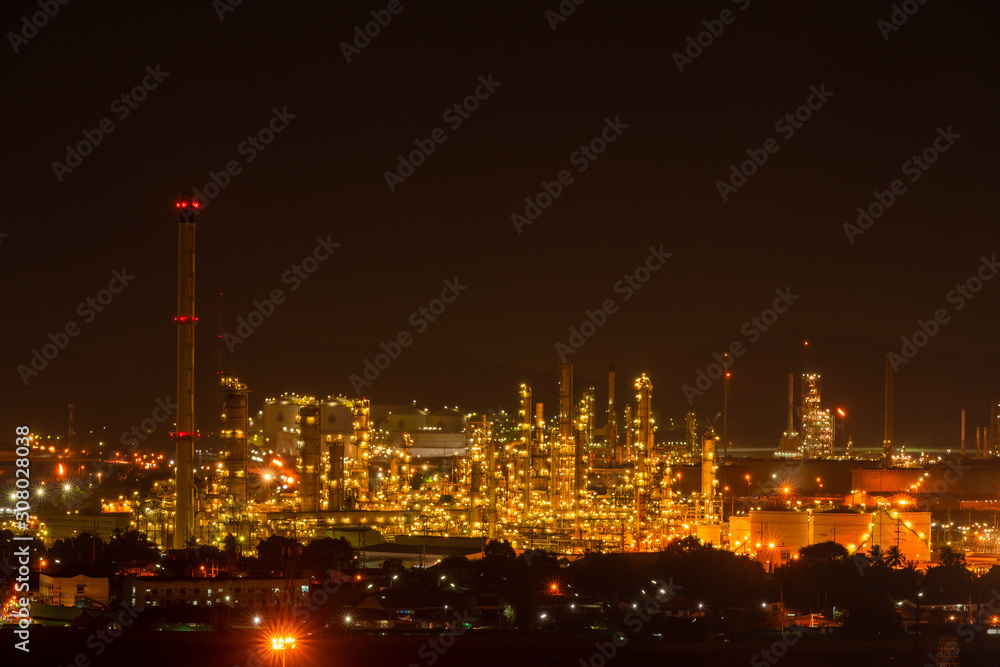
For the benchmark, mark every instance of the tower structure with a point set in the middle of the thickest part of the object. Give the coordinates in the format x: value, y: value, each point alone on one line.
x: 234, y: 513
x: 358, y: 494
x: 581, y: 458
x: 708, y: 470
x: 691, y: 432
x: 643, y: 450
x: 310, y: 469
x: 527, y: 459
x: 817, y: 423
x: 887, y: 439
x: 611, y: 430
x: 187, y: 206
x: 790, y: 443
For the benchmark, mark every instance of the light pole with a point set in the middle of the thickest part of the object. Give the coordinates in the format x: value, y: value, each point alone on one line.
x: 282, y: 645
x: 919, y: 595
x: 725, y: 414
x: 843, y: 427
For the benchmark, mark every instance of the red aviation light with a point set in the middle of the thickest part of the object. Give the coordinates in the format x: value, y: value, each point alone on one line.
x: 187, y: 200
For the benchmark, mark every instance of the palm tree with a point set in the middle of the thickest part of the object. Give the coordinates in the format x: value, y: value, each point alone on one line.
x: 893, y: 557
x: 951, y: 556
x: 876, y: 555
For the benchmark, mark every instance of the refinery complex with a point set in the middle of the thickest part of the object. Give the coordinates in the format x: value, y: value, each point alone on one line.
x: 576, y: 479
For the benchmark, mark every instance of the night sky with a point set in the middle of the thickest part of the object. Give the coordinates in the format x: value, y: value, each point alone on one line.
x: 887, y: 95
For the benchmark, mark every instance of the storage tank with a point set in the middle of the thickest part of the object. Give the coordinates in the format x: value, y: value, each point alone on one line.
x: 850, y: 529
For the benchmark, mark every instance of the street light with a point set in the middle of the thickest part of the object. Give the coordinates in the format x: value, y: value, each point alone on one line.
x: 843, y: 427
x: 282, y: 645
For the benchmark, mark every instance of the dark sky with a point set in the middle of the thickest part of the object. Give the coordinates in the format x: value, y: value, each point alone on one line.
x: 656, y: 184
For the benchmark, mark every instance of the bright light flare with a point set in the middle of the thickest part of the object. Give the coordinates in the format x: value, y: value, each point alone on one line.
x: 282, y: 643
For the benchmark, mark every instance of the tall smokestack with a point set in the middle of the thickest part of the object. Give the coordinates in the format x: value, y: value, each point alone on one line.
x: 612, y: 428
x: 887, y: 441
x: 187, y: 206
x: 791, y: 404
x: 963, y: 432
x: 70, y: 433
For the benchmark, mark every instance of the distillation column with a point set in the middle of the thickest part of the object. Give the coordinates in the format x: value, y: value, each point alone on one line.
x: 525, y: 416
x: 309, y: 472
x: 362, y: 434
x: 335, y: 483
x: 708, y: 468
x: 611, y: 430
x: 563, y: 450
x: 235, y: 428
x: 644, y: 447
x: 581, y: 462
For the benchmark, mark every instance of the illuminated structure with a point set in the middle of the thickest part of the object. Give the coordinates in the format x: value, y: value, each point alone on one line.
x: 611, y: 430
x: 232, y: 508
x: 817, y: 423
x: 691, y: 432
x: 790, y: 443
x: 562, y: 485
x: 311, y: 469
x: 887, y: 450
x: 187, y: 206
x: 482, y: 478
x: 526, y: 450
x: 709, y: 484
x: 643, y: 449
x: 357, y: 490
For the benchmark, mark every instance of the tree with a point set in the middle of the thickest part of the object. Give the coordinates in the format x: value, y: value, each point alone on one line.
x: 278, y: 553
x: 82, y: 554
x: 823, y: 552
x: 231, y: 552
x: 499, y: 551
x: 893, y: 557
x: 876, y: 554
x: 948, y: 555
x: 392, y: 567
x: 329, y: 554
x: 130, y: 551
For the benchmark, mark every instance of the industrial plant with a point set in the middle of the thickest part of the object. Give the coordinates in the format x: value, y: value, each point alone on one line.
x: 574, y: 480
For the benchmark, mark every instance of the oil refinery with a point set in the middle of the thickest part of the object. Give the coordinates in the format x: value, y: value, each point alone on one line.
x: 574, y: 480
